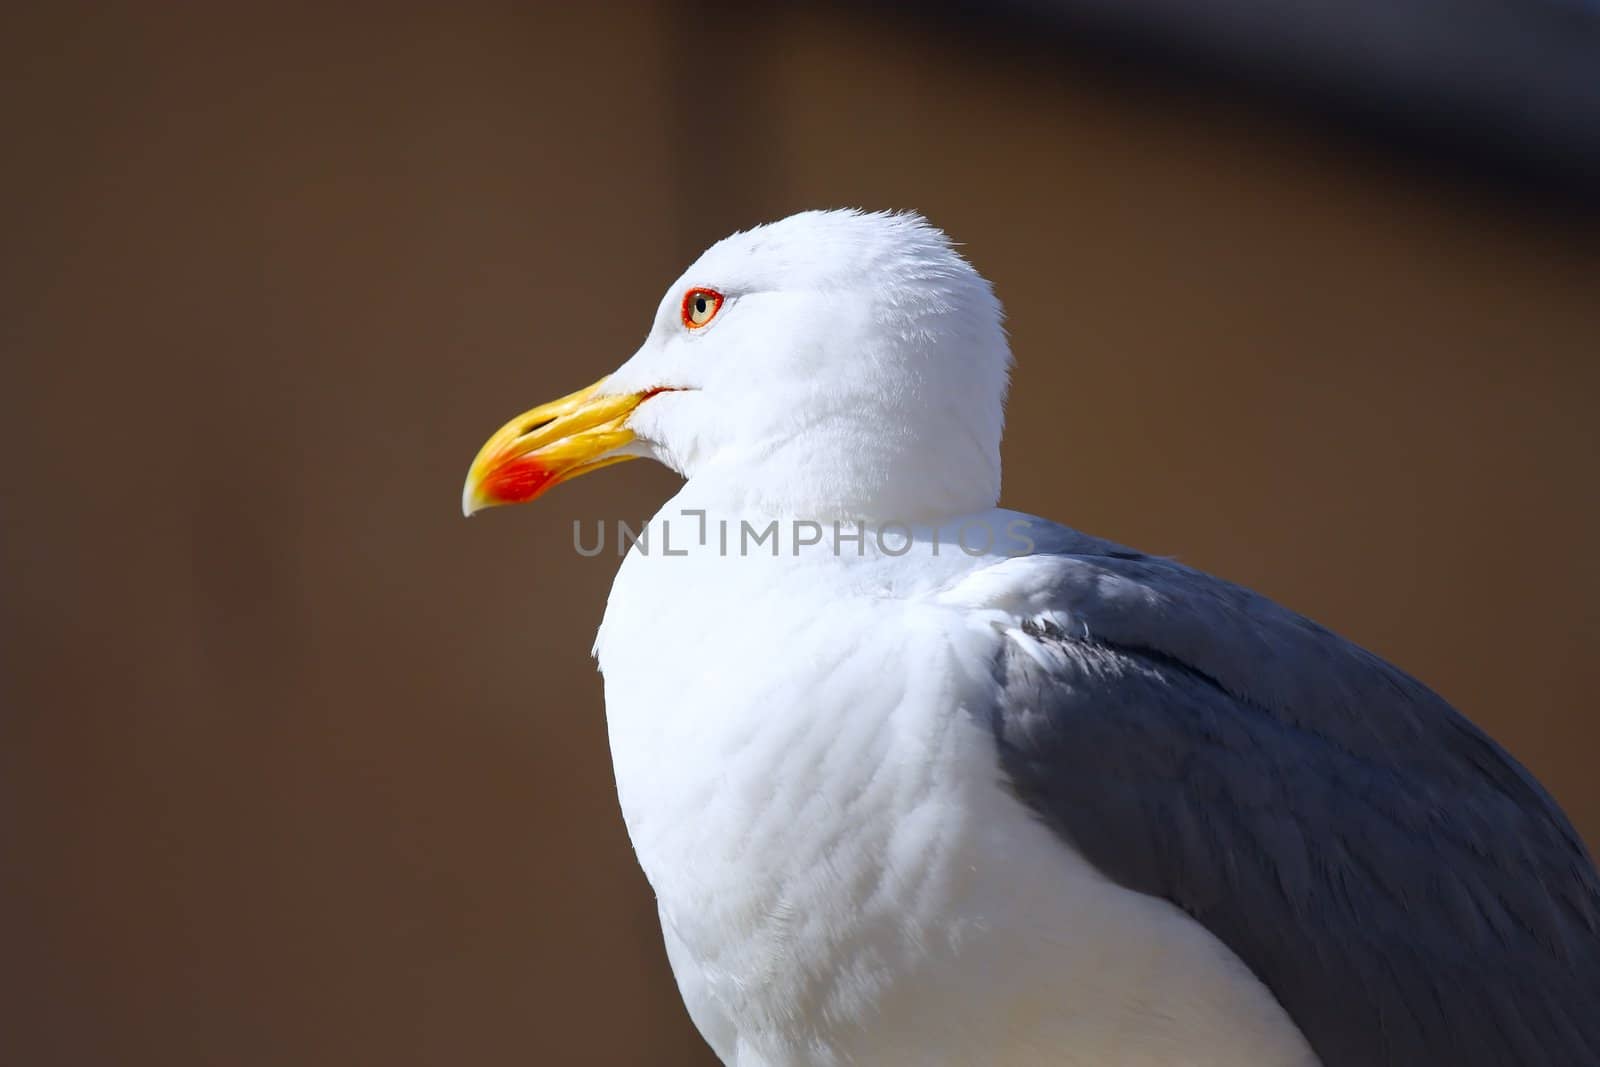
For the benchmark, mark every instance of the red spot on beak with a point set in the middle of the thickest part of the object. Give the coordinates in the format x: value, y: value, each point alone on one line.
x: 517, y: 481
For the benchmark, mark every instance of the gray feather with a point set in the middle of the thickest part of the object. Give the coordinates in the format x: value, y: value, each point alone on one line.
x: 1408, y: 892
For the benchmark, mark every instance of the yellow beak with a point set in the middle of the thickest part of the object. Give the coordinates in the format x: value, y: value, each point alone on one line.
x: 548, y: 445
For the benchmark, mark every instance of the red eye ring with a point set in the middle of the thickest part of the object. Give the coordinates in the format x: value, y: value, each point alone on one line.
x: 700, y: 306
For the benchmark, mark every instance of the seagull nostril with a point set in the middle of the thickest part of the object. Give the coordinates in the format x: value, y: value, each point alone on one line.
x: 536, y: 424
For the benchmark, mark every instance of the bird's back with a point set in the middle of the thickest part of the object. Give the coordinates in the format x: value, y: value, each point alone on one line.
x: 1407, y: 891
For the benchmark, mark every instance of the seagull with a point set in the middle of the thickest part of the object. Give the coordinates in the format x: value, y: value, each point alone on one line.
x: 920, y: 780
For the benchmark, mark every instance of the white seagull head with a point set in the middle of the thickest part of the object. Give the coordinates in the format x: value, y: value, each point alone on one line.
x: 835, y: 364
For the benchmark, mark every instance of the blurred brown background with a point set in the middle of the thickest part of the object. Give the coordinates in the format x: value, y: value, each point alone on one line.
x: 296, y: 766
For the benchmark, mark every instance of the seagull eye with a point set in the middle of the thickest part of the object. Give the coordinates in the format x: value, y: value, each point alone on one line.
x: 700, y: 307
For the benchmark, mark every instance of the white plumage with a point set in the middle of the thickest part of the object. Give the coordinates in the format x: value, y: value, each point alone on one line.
x: 841, y: 874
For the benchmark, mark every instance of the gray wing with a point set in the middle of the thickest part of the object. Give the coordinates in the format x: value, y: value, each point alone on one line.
x: 1405, y: 888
